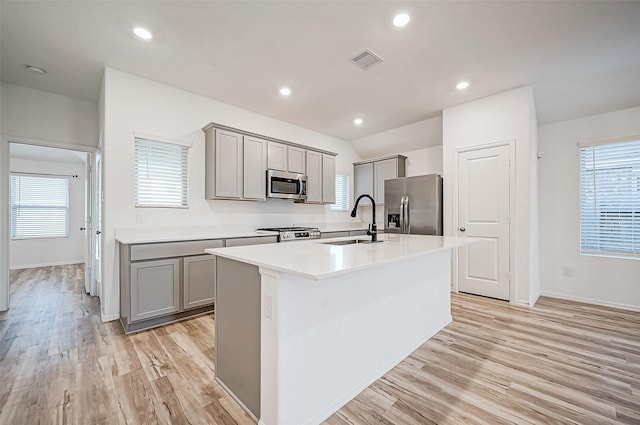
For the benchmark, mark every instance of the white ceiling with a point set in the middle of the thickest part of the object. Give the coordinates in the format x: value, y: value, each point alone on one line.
x: 581, y: 58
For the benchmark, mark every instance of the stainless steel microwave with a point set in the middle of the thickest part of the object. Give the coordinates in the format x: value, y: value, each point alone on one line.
x: 285, y: 185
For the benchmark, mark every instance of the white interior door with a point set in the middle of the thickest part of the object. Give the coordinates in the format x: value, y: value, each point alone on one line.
x: 88, y: 258
x: 96, y: 238
x: 484, y: 212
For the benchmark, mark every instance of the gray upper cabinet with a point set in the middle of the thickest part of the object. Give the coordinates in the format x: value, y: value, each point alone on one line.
x: 223, y: 171
x: 199, y: 273
x: 296, y: 160
x: 363, y: 176
x: 328, y: 179
x: 155, y: 288
x: 254, y: 167
x: 277, y: 156
x: 314, y: 177
x: 370, y: 176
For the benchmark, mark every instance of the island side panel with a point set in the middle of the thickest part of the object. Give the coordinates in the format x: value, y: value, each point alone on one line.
x: 237, y: 321
x: 329, y: 339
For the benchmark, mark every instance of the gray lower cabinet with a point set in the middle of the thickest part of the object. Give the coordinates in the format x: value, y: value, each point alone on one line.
x: 155, y: 288
x: 199, y: 281
x: 328, y: 235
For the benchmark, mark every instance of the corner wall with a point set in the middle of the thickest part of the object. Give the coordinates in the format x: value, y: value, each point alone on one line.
x: 498, y: 118
x: 600, y: 280
x: 133, y: 104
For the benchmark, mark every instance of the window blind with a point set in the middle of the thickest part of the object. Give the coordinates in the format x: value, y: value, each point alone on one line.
x: 161, y: 174
x: 342, y: 193
x: 610, y: 199
x: 39, y: 207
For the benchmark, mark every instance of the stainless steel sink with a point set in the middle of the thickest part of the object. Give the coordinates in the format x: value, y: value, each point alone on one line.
x: 349, y: 242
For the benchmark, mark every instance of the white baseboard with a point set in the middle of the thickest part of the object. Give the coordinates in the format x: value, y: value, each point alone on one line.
x: 592, y: 301
x: 56, y: 263
x: 109, y: 317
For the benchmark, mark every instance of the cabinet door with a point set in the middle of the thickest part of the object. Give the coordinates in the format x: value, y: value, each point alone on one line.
x: 198, y: 281
x: 314, y: 177
x: 328, y: 179
x: 277, y: 156
x: 155, y: 288
x: 254, y: 168
x: 228, y: 164
x: 296, y: 159
x: 363, y: 176
x: 383, y: 170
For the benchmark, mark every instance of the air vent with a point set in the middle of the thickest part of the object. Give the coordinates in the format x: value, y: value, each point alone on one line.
x: 366, y: 59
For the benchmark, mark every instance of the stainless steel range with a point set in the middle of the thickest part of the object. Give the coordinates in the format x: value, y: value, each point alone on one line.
x: 289, y: 234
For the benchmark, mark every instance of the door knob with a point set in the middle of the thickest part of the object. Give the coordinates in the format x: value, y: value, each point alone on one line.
x: 82, y: 229
x: 462, y: 229
x: 98, y: 232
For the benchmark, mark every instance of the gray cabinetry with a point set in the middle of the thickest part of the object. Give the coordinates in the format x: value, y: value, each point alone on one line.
x: 370, y: 176
x: 254, y: 166
x: 199, y: 281
x: 295, y: 160
x: 314, y: 177
x: 328, y: 179
x: 339, y: 234
x: 155, y: 288
x: 277, y: 156
x: 223, y: 171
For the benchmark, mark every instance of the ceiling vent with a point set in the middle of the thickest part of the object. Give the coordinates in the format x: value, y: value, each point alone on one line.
x: 366, y: 59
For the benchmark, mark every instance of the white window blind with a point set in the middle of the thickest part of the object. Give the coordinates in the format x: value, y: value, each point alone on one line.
x: 342, y: 193
x: 610, y: 199
x: 39, y: 207
x: 161, y: 174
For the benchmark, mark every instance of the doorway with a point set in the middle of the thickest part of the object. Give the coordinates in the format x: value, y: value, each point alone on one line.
x: 483, y: 194
x: 50, y: 208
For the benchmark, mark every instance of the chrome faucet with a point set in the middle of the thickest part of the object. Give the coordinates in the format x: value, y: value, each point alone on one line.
x: 373, y: 227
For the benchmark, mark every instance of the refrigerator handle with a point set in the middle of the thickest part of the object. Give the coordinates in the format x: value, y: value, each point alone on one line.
x: 407, y: 219
x: 402, y: 215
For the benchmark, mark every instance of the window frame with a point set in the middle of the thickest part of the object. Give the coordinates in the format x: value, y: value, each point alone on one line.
x: 591, y: 226
x: 13, y: 207
x: 337, y: 206
x: 184, y: 179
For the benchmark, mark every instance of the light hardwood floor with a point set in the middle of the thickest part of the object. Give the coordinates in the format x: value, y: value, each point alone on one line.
x: 558, y: 363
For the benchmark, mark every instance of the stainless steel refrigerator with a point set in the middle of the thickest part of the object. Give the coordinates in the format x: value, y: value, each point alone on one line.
x: 413, y: 205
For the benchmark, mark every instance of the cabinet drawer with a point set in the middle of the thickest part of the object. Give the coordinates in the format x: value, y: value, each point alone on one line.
x: 251, y: 241
x: 327, y: 235
x: 172, y: 249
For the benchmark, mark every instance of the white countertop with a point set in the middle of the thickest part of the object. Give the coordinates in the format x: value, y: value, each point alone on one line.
x: 184, y: 233
x: 316, y: 259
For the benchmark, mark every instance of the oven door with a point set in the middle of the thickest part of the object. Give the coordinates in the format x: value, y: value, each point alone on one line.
x: 286, y: 185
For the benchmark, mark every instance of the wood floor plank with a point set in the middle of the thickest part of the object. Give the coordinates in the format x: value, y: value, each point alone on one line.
x: 560, y: 362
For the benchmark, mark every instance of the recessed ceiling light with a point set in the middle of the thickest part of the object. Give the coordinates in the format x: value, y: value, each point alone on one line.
x: 285, y: 91
x: 462, y: 85
x: 143, y: 33
x: 358, y: 121
x: 36, y: 70
x: 401, y: 20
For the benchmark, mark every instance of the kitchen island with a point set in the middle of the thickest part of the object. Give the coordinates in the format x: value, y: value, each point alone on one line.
x: 303, y: 327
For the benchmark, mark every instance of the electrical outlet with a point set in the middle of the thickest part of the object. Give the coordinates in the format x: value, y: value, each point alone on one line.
x: 139, y: 219
x: 567, y: 271
x: 268, y: 307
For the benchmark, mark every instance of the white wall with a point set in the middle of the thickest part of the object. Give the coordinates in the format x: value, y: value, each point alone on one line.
x: 424, y: 161
x: 28, y: 253
x: 600, y: 280
x: 4, y: 213
x: 502, y: 117
x: 133, y: 104
x: 412, y: 137
x: 37, y: 115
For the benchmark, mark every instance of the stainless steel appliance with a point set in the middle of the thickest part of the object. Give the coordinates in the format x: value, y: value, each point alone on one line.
x: 281, y: 184
x: 413, y: 205
x: 288, y: 234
